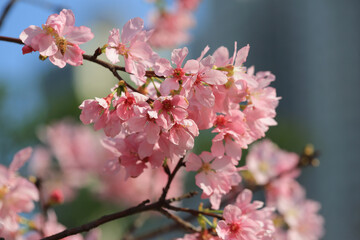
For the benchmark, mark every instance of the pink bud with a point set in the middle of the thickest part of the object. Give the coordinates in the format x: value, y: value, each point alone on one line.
x: 27, y: 49
x: 56, y: 197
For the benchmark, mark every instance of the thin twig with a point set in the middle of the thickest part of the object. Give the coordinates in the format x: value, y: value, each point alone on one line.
x: 6, y: 11
x: 186, y: 225
x: 171, y: 178
x: 10, y: 39
x: 193, y: 211
x: 93, y: 58
x: 142, y: 207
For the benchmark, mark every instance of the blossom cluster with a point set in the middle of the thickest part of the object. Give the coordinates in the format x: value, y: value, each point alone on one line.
x: 82, y: 164
x: 181, y: 97
x: 18, y: 195
x: 297, y: 217
x: 150, y: 128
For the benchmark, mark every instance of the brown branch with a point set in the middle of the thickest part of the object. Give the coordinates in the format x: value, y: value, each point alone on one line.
x: 10, y: 39
x: 142, y: 207
x: 184, y: 224
x: 93, y: 58
x: 6, y: 11
x: 193, y: 211
x: 171, y: 178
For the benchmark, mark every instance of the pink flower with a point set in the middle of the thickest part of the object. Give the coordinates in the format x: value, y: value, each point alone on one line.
x: 170, y: 29
x: 125, y: 105
x: 96, y: 111
x: 216, y: 175
x: 145, y: 122
x: 302, y: 219
x: 236, y: 225
x: 58, y: 39
x: 174, y: 76
x: 202, y: 81
x: 189, y: 4
x: 17, y: 194
x: 285, y: 188
x: 148, y: 185
x: 132, y: 46
x: 255, y: 211
x: 199, y: 236
x: 134, y: 153
x: 266, y: 161
x: 231, y: 130
x: 170, y: 110
x: 309, y: 224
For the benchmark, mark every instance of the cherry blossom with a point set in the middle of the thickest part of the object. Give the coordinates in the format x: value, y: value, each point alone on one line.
x: 266, y: 161
x: 58, y: 39
x: 132, y: 45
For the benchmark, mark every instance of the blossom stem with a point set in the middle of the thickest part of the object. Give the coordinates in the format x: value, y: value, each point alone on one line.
x: 6, y: 11
x: 194, y: 212
x: 170, y: 179
x: 186, y: 225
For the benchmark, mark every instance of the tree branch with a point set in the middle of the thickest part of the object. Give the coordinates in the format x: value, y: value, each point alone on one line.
x: 193, y: 211
x: 93, y: 58
x: 171, y: 178
x: 142, y: 207
x: 6, y: 11
x: 186, y: 225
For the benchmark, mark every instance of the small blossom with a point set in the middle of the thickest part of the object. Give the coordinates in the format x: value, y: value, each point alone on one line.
x: 58, y: 39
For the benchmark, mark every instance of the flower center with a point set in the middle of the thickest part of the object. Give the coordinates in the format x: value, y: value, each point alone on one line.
x: 62, y: 44
x: 122, y: 50
x: 3, y: 191
x: 206, y: 167
x: 234, y: 227
x: 167, y: 105
x: 263, y: 167
x: 220, y: 121
x: 178, y: 73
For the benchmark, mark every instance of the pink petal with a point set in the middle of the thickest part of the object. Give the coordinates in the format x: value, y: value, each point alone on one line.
x: 131, y: 28
x: 178, y: 56
x: 163, y: 67
x: 168, y: 85
x: 74, y: 55
x: 79, y: 35
x: 20, y: 158
x: 29, y: 33
x: 214, y: 77
x: 193, y: 162
x: 191, y: 66
x: 58, y: 60
x: 242, y: 55
x: 46, y: 44
x: 112, y: 55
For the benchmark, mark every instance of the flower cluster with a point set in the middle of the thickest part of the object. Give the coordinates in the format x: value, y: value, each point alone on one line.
x: 296, y: 217
x: 211, y: 92
x: 150, y: 130
x: 17, y: 195
x: 245, y: 220
x: 82, y: 164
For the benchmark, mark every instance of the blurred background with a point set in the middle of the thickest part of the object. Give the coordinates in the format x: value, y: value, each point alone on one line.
x: 312, y: 46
